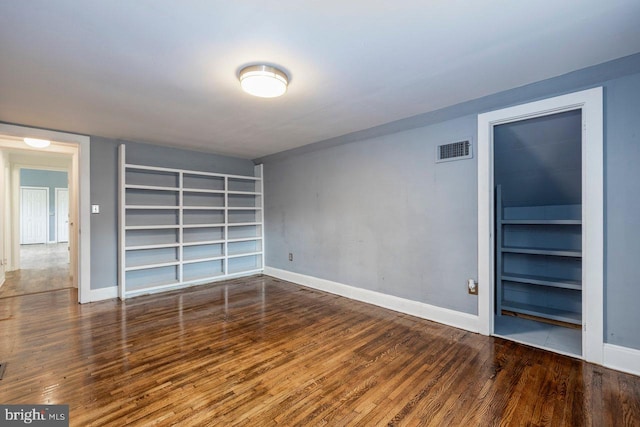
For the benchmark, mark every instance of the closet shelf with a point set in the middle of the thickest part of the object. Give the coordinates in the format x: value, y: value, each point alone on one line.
x: 541, y: 251
x: 535, y: 285
x: 544, y: 312
x: 543, y: 281
x: 542, y: 222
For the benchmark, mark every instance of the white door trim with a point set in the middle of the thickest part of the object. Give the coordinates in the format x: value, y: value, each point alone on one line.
x: 46, y: 216
x: 590, y: 102
x: 79, y: 147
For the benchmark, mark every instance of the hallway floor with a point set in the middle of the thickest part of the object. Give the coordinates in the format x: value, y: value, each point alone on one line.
x: 42, y: 268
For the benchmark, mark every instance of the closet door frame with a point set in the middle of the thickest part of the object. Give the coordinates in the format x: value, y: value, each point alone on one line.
x: 590, y: 102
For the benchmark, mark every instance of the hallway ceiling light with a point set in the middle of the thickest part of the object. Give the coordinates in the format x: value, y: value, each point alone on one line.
x: 263, y: 81
x: 37, y: 143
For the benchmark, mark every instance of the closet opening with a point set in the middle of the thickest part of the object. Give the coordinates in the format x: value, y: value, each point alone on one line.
x: 538, y: 229
x: 541, y: 224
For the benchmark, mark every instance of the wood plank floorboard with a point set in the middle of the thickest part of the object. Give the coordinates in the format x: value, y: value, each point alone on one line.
x: 258, y: 351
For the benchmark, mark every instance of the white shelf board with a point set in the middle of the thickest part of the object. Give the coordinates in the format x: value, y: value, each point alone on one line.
x: 243, y: 271
x: 202, y: 190
x: 151, y: 207
x: 245, y: 193
x: 150, y: 266
x: 205, y: 259
x: 203, y: 208
x: 244, y: 177
x: 152, y: 246
x: 203, y: 243
x: 244, y: 239
x: 202, y: 279
x: 150, y: 187
x: 242, y: 224
x: 244, y: 254
x: 151, y: 227
x: 152, y: 287
x: 202, y: 225
x: 132, y: 166
x: 243, y: 208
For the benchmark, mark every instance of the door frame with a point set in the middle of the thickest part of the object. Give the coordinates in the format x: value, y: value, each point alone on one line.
x: 46, y: 222
x: 78, y: 146
x: 57, y: 191
x: 590, y: 102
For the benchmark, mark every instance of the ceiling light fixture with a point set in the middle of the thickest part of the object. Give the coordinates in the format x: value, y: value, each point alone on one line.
x: 263, y: 81
x: 37, y: 143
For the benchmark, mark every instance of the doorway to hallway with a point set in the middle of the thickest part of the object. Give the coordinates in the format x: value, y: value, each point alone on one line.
x: 43, y: 268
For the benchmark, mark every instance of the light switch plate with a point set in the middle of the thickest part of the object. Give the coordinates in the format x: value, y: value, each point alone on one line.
x: 95, y: 209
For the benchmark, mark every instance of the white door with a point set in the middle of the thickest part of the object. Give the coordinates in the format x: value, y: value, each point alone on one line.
x: 62, y: 215
x: 34, y: 215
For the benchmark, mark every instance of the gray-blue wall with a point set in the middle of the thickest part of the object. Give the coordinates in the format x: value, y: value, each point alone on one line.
x: 51, y: 180
x: 373, y: 209
x: 104, y: 192
x: 380, y: 214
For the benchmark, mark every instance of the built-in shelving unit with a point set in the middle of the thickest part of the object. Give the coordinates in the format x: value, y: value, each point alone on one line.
x: 539, y: 261
x: 182, y: 227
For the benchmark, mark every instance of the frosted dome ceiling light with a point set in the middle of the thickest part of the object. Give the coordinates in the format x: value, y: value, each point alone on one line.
x: 263, y: 81
x: 37, y: 143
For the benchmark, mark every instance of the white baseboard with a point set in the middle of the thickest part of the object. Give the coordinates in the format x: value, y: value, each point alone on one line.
x: 446, y: 316
x: 102, y: 294
x: 112, y: 291
x: 623, y: 359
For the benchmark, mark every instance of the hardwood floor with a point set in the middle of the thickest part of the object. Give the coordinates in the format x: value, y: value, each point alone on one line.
x: 43, y: 268
x: 258, y: 351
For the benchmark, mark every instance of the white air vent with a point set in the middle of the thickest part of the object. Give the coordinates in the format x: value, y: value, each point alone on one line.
x: 454, y: 151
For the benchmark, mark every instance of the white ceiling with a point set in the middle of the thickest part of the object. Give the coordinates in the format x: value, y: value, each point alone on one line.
x: 165, y: 71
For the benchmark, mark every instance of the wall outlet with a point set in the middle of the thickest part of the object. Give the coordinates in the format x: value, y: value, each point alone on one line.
x: 95, y: 209
x: 290, y: 256
x: 472, y: 287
